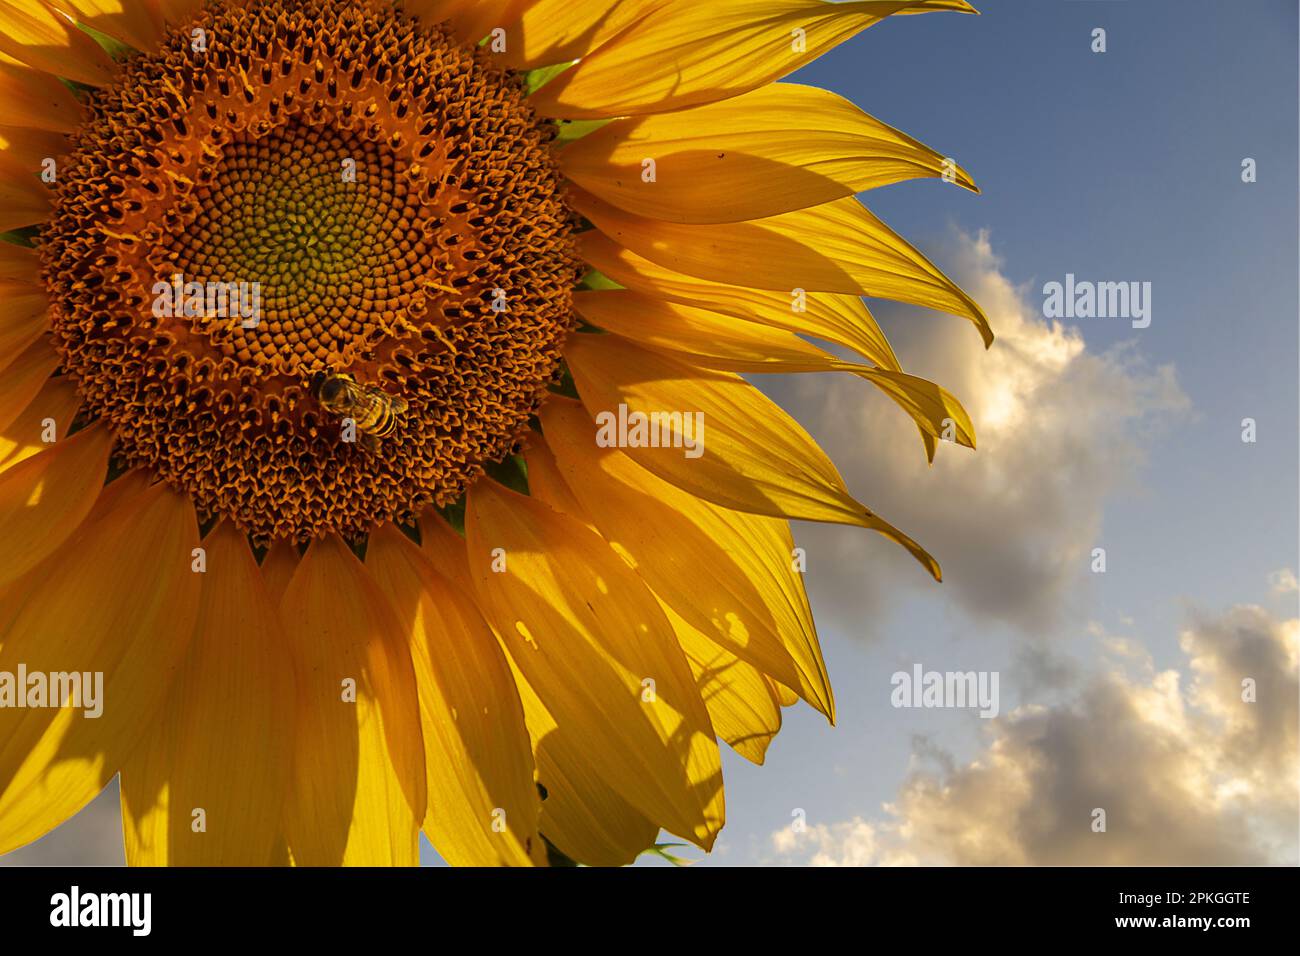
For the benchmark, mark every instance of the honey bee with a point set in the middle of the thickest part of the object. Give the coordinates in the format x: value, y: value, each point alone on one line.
x: 372, y: 410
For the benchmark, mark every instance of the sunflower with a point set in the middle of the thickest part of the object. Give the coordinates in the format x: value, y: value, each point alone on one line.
x: 537, y: 244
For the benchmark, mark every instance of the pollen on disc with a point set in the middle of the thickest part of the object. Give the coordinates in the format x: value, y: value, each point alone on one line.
x: 386, y: 198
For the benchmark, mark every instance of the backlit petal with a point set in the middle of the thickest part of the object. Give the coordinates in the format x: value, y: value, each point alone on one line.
x: 483, y: 803
x: 843, y: 319
x: 358, y: 791
x: 741, y: 707
x: 31, y: 98
x: 753, y: 456
x: 688, y: 52
x: 741, y: 703
x: 137, y: 23
x: 122, y: 602
x: 779, y: 148
x: 33, y: 32
x: 837, y: 247
x: 581, y: 814
x: 720, y: 341
x: 556, y: 31
x: 49, y: 414
x: 784, y: 695
x: 587, y: 635
x: 586, y: 818
x: 24, y: 378
x: 729, y: 575
x: 207, y: 785
x: 45, y: 498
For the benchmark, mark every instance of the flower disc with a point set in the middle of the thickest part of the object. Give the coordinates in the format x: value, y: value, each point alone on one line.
x: 388, y: 202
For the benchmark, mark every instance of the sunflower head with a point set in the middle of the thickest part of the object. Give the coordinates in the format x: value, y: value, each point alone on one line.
x: 288, y: 284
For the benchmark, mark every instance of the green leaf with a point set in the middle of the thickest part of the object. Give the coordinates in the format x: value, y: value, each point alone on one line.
x: 661, y: 850
x: 534, y: 80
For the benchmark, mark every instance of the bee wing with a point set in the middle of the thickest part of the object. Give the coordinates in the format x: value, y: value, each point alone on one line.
x: 369, y: 443
x: 398, y: 404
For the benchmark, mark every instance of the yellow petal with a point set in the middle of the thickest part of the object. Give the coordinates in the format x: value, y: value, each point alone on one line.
x: 784, y: 695
x: 708, y: 338
x: 432, y: 12
x: 124, y: 487
x: 744, y: 710
x: 729, y: 575
x: 176, y: 11
x: 843, y: 319
x: 18, y: 263
x: 587, y: 634
x: 689, y: 52
x: 778, y: 148
x: 23, y: 200
x: 358, y: 793
x: 25, y: 376
x: 50, y: 412
x: 33, y: 32
x: 741, y: 706
x: 22, y: 318
x: 445, y: 549
x: 120, y: 600
x: 45, y: 498
x: 206, y: 786
x: 137, y: 23
x: 754, y: 457
x: 18, y: 337
x: 474, y: 21
x: 582, y: 815
x: 556, y: 31
x: 720, y: 341
x: 836, y: 247
x: 31, y: 98
x: 546, y: 482
x: 483, y: 802
x: 278, y: 566
x: 28, y: 149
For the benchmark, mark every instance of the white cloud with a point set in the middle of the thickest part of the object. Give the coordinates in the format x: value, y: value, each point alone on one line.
x: 1059, y: 428
x: 855, y: 843
x: 1188, y: 772
x: 1283, y: 581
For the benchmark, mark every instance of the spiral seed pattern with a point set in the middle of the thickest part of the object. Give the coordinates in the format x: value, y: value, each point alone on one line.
x: 394, y: 202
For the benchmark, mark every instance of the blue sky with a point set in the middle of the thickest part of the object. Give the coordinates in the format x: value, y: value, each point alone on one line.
x: 1126, y: 165
x: 1120, y: 166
